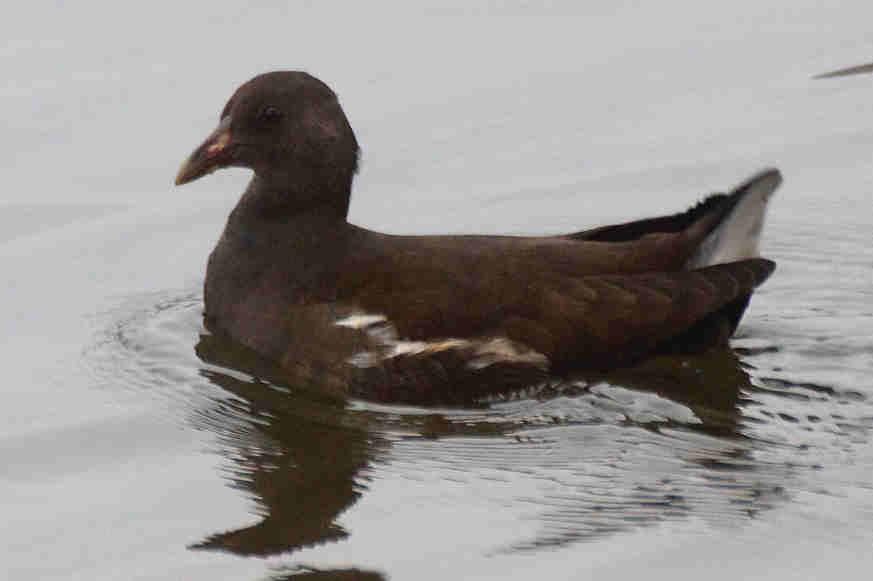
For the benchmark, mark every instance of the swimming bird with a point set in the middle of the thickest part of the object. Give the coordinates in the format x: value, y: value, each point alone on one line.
x: 430, y: 318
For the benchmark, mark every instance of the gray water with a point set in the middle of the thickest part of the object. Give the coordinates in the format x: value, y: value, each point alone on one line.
x: 131, y: 447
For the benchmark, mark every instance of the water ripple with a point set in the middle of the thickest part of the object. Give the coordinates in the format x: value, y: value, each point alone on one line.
x: 715, y: 438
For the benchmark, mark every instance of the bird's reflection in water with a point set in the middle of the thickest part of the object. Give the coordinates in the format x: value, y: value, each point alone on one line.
x: 306, y: 574
x: 303, y: 453
x: 300, y: 456
x: 710, y: 384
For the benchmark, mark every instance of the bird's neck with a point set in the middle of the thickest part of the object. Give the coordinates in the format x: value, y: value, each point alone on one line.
x: 276, y: 245
x: 275, y: 221
x: 296, y: 195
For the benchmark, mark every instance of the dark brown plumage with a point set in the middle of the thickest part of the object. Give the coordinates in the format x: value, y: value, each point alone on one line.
x: 416, y: 317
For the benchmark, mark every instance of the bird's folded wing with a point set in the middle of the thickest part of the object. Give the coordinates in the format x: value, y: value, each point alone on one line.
x: 583, y: 321
x: 597, y: 320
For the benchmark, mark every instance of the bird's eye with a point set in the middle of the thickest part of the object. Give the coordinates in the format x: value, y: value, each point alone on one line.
x: 269, y: 114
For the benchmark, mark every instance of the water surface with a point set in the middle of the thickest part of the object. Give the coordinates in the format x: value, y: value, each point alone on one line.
x: 135, y: 446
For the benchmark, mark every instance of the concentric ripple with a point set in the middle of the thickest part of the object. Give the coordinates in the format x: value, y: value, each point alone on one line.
x: 147, y: 343
x: 715, y: 438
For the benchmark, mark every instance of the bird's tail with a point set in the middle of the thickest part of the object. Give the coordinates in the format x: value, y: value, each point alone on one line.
x: 738, y: 222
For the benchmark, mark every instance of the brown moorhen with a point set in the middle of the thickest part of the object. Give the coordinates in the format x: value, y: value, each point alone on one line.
x: 435, y: 318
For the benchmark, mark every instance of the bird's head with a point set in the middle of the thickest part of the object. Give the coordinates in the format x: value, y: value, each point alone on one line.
x: 287, y: 126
